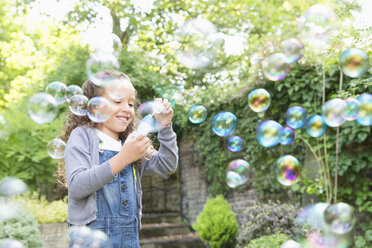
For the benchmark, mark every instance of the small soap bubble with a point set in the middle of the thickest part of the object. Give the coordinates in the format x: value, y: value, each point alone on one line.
x: 73, y: 90
x: 295, y: 117
x: 275, y: 67
x: 58, y: 91
x: 78, y: 105
x: 10, y: 243
x: 340, y: 218
x: 237, y: 173
x: 315, y: 126
x: 354, y: 62
x: 351, y: 110
x: 235, y: 143
x: 42, y: 108
x: 287, y: 170
x: 224, y: 123
x: 196, y: 43
x: 197, y: 114
x: 286, y: 136
x: 11, y: 186
x: 293, y: 50
x: 99, y: 109
x: 332, y: 112
x: 99, y: 62
x: 268, y: 133
x: 259, y: 100
x: 56, y: 148
x: 291, y: 244
x: 365, y: 110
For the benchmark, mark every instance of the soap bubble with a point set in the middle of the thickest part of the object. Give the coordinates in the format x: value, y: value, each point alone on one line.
x: 58, y: 91
x: 259, y: 100
x: 111, y: 45
x: 116, y: 86
x: 287, y: 170
x: 332, y: 112
x: 9, y: 210
x: 268, y: 133
x: 83, y: 236
x: 99, y: 109
x: 235, y: 143
x: 224, y: 124
x: 73, y: 90
x: 237, y: 173
x: 324, y: 239
x: 101, y: 62
x: 291, y: 244
x: 354, y: 62
x: 11, y: 186
x: 351, y: 110
x: 315, y: 126
x: 295, y: 117
x: 365, y: 110
x: 292, y: 49
x: 10, y: 243
x: 78, y: 105
x: 197, y: 114
x: 340, y: 217
x: 56, y: 148
x: 312, y: 217
x: 196, y: 43
x: 42, y: 108
x: 151, y: 107
x: 286, y: 136
x: 275, y: 67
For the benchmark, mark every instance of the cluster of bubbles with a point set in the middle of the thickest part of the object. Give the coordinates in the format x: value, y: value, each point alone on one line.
x: 83, y: 236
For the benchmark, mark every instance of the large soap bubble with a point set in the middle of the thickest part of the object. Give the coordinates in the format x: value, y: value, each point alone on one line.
x: 293, y: 50
x: 287, y: 170
x: 365, y: 110
x: 99, y: 109
x: 354, y: 62
x: 275, y: 67
x: 56, y: 148
x: 99, y: 62
x: 224, y: 124
x: 259, y: 100
x: 237, y: 173
x: 315, y: 126
x: 197, y: 114
x: 268, y: 133
x: 235, y: 143
x: 351, y: 110
x: 78, y: 105
x: 295, y: 117
x: 340, y: 217
x: 42, y: 108
x: 57, y: 90
x: 332, y: 112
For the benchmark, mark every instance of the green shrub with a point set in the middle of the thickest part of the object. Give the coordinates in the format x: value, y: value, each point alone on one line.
x: 23, y: 227
x: 43, y: 210
x: 266, y: 219
x: 268, y: 241
x: 217, y: 224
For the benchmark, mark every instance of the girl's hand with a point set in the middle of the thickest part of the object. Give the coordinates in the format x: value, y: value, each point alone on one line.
x: 135, y: 148
x: 164, y: 118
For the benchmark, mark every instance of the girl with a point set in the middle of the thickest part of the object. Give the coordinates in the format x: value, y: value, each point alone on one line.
x: 104, y: 163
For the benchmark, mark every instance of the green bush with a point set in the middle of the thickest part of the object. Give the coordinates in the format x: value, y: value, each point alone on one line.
x: 268, y: 241
x: 43, y: 210
x: 217, y: 224
x: 23, y: 227
x: 266, y: 219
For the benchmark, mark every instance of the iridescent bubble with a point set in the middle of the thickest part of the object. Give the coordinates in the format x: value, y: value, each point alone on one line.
x: 73, y: 90
x: 150, y: 108
x: 287, y: 170
x: 197, y: 114
x: 315, y: 126
x: 351, y: 110
x: 116, y: 85
x: 99, y: 109
x: 56, y: 148
x: 10, y: 243
x: 224, y: 124
x: 101, y: 62
x: 312, y: 216
x: 58, y: 91
x: 237, y: 173
x: 340, y: 218
x: 259, y: 100
x: 196, y: 43
x: 354, y: 62
x: 286, y: 136
x: 332, y: 112
x: 293, y: 50
x: 11, y: 186
x: 111, y: 45
x: 291, y: 244
x: 268, y: 133
x: 323, y: 239
x: 275, y: 67
x: 295, y: 117
x: 235, y: 143
x: 42, y: 108
x: 365, y: 110
x: 78, y: 105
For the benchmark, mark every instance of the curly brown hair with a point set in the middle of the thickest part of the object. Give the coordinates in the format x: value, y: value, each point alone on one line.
x: 72, y: 121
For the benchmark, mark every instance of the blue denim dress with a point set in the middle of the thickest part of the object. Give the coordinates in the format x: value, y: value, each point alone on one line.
x: 117, y: 207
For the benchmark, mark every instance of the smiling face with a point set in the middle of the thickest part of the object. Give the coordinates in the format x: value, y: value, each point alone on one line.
x: 122, y: 109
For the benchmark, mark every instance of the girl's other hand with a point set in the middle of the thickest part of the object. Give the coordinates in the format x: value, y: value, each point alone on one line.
x: 164, y: 118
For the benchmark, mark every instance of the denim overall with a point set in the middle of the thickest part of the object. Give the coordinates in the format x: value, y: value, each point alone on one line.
x: 117, y: 207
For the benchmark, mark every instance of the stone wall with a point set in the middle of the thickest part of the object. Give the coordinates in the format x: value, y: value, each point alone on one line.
x: 54, y: 235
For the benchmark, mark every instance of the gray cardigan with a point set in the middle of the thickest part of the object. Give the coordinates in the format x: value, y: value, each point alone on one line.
x: 85, y: 175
